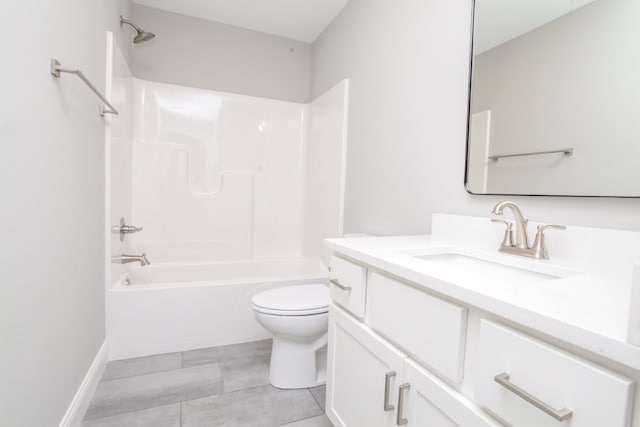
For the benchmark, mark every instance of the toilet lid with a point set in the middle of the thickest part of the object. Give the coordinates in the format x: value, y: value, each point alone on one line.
x: 298, y: 300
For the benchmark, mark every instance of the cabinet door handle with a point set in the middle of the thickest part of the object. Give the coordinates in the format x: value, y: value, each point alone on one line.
x: 387, y: 391
x: 401, y: 420
x: 339, y: 285
x: 558, y: 414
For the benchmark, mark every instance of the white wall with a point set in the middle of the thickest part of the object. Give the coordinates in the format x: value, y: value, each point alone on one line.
x: 52, y: 199
x: 194, y: 52
x: 408, y: 68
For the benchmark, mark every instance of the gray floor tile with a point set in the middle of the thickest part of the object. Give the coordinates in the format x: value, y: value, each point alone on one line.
x: 142, y: 365
x: 161, y: 388
x: 320, y: 421
x: 263, y: 406
x: 320, y: 394
x: 227, y: 352
x: 246, y: 372
x: 161, y: 416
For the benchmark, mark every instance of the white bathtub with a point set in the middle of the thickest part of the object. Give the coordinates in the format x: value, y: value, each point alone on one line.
x: 178, y: 307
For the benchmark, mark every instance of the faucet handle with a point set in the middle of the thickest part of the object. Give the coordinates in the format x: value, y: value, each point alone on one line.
x: 539, y: 246
x: 541, y: 228
x: 123, y: 229
x: 507, y: 241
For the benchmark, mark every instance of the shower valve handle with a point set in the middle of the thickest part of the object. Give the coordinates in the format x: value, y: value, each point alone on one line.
x: 123, y: 229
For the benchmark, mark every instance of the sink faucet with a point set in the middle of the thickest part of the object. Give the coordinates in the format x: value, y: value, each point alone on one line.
x: 521, y: 223
x: 521, y: 246
x: 124, y: 259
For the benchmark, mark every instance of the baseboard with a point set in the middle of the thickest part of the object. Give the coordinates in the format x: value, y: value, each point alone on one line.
x: 75, y: 413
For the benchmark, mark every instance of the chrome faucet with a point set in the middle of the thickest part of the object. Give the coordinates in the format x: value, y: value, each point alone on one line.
x: 521, y: 245
x: 124, y: 259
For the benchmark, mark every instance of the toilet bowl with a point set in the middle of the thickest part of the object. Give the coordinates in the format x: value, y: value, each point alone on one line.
x: 297, y: 316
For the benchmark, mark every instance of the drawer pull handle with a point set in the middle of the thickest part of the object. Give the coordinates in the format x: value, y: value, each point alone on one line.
x: 339, y: 285
x: 558, y: 414
x: 387, y: 390
x: 401, y: 393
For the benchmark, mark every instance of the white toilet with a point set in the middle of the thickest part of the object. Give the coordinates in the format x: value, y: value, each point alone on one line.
x: 297, y: 316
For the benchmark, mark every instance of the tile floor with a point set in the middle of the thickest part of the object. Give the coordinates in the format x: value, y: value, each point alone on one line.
x: 219, y: 386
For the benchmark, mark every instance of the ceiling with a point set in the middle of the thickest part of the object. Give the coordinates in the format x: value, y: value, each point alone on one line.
x: 498, y: 21
x: 302, y: 20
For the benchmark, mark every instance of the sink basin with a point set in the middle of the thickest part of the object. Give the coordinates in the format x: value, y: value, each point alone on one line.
x: 494, y: 267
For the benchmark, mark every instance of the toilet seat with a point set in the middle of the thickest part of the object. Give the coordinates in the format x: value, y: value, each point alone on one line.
x: 297, y: 300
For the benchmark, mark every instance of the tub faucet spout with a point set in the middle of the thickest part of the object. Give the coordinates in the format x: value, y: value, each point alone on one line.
x: 124, y: 259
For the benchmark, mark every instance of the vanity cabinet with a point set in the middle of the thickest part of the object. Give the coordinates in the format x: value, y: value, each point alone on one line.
x: 399, y: 358
x: 371, y: 383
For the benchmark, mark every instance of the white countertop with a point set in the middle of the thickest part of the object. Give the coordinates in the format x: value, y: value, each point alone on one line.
x: 589, y: 308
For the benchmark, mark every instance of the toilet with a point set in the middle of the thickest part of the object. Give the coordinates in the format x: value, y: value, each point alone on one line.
x: 297, y: 316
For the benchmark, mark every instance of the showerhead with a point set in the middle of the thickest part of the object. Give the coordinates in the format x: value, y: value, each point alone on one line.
x: 142, y: 35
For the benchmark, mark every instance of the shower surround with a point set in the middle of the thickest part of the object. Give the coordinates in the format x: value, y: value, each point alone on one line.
x: 217, y: 176
x: 235, y: 194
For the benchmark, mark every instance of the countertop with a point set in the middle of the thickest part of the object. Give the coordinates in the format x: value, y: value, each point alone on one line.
x: 589, y: 308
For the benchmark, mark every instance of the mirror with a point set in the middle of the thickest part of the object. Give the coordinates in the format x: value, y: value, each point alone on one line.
x: 555, y: 98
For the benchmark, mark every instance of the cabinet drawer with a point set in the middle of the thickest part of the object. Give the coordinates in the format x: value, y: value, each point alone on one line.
x: 432, y: 330
x: 546, y: 377
x: 348, y: 285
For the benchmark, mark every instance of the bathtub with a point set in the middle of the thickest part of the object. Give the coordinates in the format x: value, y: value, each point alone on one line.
x: 167, y: 308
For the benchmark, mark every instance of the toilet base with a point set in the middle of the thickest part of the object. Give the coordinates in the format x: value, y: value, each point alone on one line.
x: 296, y: 364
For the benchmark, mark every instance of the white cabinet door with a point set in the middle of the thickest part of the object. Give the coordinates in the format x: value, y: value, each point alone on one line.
x: 360, y: 367
x: 429, y: 402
